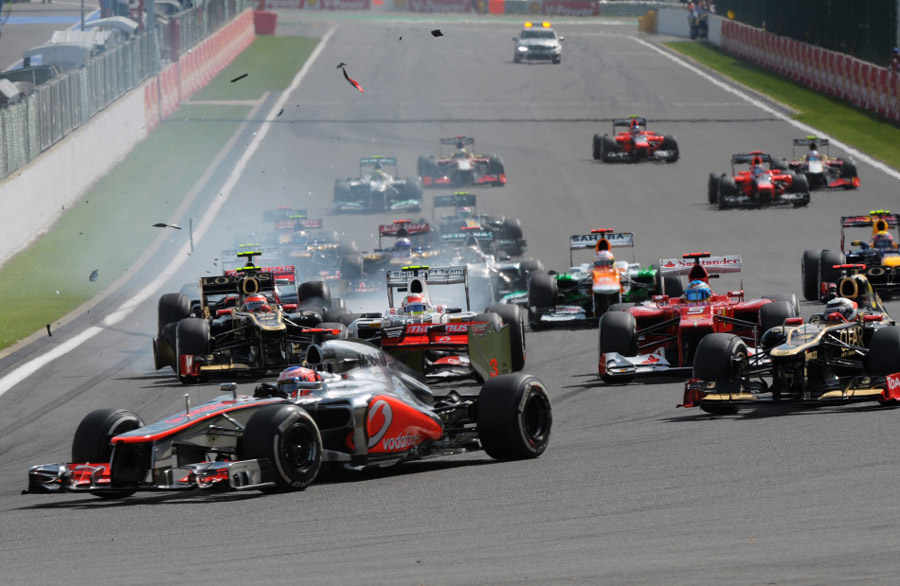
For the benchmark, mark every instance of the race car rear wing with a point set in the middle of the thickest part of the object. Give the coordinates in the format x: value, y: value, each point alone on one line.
x: 395, y: 229
x: 627, y: 121
x: 589, y: 241
x: 454, y: 140
x: 893, y: 220
x: 412, y: 277
x: 257, y: 282
x: 462, y: 235
x: 811, y: 140
x: 714, y: 265
x: 392, y: 161
x: 457, y: 200
x: 747, y: 158
x: 284, y: 213
x: 232, y: 259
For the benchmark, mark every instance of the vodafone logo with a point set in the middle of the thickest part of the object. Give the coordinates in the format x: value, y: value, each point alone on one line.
x: 380, y: 417
x: 401, y: 442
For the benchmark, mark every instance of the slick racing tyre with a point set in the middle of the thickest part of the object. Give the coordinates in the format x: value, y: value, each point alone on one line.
x: 618, y: 333
x: 727, y: 187
x: 314, y: 295
x: 809, y: 274
x: 827, y: 261
x: 790, y: 298
x: 884, y: 351
x: 289, y: 439
x: 495, y: 166
x: 772, y: 315
x: 92, y: 441
x: 720, y: 357
x: 514, y: 417
x: 598, y: 147
x: 514, y: 317
x: 191, y: 339
x: 712, y: 188
x: 542, y: 291
x: 670, y: 144
x: 848, y: 170
x: 608, y: 147
x: 172, y: 307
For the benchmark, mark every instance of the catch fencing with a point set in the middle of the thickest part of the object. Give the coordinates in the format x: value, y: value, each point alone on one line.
x: 56, y: 108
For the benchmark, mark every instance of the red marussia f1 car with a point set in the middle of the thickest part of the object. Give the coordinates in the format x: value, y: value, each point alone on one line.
x: 766, y: 181
x: 661, y: 336
x: 461, y: 166
x: 635, y: 144
x: 351, y: 405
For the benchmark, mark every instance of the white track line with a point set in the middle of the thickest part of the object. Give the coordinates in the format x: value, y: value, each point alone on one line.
x: 765, y: 107
x: 32, y: 366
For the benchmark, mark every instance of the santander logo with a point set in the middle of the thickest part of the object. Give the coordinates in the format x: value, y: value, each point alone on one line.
x: 379, y: 413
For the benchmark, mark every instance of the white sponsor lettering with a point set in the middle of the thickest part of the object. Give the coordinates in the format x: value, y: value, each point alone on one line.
x: 893, y: 382
x: 403, y: 441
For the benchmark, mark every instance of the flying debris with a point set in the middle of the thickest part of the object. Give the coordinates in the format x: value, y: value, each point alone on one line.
x: 341, y: 65
x: 48, y: 331
x: 240, y: 77
x: 95, y: 274
x: 437, y: 33
x: 164, y: 225
x: 353, y: 82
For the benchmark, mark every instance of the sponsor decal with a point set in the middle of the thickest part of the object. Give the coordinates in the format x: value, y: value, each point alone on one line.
x: 893, y: 382
x: 571, y: 7
x: 380, y: 418
x: 440, y: 5
x: 404, y: 441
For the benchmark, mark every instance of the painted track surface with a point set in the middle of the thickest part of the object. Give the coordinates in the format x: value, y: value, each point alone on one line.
x: 631, y: 490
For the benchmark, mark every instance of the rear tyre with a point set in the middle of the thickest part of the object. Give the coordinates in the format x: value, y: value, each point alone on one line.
x: 495, y: 166
x: 827, y: 261
x: 514, y: 417
x: 772, y: 315
x: 809, y: 274
x: 314, y: 295
x: 172, y: 307
x: 289, y: 439
x: 514, y: 317
x: 542, y: 291
x: 92, y: 441
x: 712, y: 188
x: 720, y: 357
x: 800, y: 183
x: 191, y: 339
x: 848, y: 170
x: 618, y: 333
x: 790, y: 298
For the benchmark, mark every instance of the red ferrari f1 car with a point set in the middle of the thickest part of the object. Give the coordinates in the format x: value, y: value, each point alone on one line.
x: 351, y: 405
x: 661, y: 335
x: 765, y: 181
x: 635, y: 144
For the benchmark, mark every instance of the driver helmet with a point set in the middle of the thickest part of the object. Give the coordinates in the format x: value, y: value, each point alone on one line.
x: 300, y: 238
x: 635, y: 127
x: 697, y: 291
x: 414, y: 304
x: 843, y: 306
x: 465, y: 212
x: 604, y: 258
x: 403, y: 246
x: 461, y: 150
x: 297, y: 381
x: 256, y: 303
x: 882, y: 240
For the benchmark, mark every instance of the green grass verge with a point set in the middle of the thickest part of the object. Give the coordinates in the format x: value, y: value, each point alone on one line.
x: 836, y: 118
x: 270, y: 64
x: 110, y: 227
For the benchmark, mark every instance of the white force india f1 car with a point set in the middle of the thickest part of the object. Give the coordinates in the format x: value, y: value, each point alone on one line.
x: 351, y: 405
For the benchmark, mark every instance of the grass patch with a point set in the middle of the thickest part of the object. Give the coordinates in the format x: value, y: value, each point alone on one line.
x: 110, y: 227
x: 836, y: 118
x: 270, y: 64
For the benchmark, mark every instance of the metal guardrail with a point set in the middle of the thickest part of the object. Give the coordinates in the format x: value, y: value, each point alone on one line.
x: 56, y: 108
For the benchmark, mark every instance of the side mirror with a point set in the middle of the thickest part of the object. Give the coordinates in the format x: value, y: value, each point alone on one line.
x: 561, y: 39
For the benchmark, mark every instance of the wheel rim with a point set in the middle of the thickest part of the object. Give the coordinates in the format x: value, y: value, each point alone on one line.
x: 299, y: 448
x: 536, y: 419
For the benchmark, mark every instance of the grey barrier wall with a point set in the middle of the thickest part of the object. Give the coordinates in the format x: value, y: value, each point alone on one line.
x: 58, y: 107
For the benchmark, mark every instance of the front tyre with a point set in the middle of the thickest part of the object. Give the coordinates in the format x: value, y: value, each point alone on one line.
x: 514, y: 417
x: 92, y: 442
x: 289, y: 439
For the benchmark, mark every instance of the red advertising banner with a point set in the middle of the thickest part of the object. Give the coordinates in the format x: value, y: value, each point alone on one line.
x: 440, y: 5
x: 864, y: 84
x: 570, y: 8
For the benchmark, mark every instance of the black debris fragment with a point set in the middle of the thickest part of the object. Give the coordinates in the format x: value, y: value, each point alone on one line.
x: 95, y: 274
x: 437, y: 33
x: 240, y: 77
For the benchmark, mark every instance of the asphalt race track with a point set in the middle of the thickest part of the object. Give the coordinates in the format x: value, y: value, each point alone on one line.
x: 632, y: 490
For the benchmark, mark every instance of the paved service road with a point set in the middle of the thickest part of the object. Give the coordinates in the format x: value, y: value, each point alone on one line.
x: 631, y: 490
x: 31, y: 24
